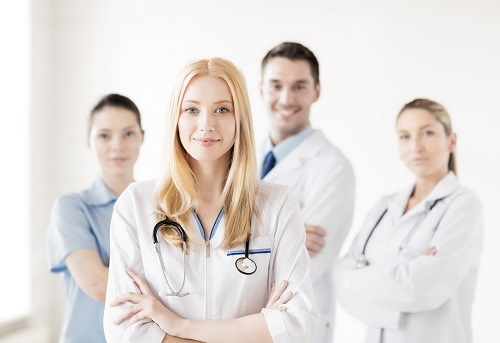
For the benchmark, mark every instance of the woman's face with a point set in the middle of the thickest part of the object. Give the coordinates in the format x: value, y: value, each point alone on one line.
x: 424, y: 145
x: 115, y: 138
x: 207, y: 123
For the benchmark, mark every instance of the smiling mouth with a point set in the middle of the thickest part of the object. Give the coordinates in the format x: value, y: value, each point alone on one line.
x: 206, y: 141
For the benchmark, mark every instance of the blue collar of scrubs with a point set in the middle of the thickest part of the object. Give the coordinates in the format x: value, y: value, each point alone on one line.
x: 99, y: 194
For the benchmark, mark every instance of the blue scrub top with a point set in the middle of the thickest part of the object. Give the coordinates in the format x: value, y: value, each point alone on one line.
x: 80, y: 221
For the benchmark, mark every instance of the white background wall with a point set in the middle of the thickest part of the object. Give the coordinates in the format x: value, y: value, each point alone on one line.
x: 374, y: 56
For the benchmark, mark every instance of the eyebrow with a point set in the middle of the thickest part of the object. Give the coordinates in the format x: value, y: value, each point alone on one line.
x: 216, y: 102
x: 420, y: 128
x: 278, y: 81
x: 124, y: 129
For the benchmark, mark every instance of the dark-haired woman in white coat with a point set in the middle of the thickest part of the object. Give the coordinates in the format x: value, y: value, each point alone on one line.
x: 411, y: 272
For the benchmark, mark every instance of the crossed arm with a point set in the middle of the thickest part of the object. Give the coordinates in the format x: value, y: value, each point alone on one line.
x: 145, y: 305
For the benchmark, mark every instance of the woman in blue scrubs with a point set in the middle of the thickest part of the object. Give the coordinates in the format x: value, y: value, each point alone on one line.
x: 78, y: 234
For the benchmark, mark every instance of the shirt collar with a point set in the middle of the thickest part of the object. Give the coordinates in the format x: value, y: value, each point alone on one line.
x: 99, y: 194
x: 281, y: 150
x: 447, y: 185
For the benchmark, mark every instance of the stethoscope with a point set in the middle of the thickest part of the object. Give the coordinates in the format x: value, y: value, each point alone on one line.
x: 244, y: 265
x: 363, y: 262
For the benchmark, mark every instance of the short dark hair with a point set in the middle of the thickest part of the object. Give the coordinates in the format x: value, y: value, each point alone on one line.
x: 114, y: 100
x: 295, y: 52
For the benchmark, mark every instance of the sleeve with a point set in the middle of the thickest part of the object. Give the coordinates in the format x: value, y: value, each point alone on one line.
x: 291, y: 262
x: 362, y: 308
x: 329, y: 204
x: 125, y: 253
x: 68, y: 230
x: 426, y: 282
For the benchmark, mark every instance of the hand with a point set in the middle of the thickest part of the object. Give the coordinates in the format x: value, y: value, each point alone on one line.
x: 277, y: 298
x: 315, y: 240
x: 430, y: 251
x: 145, y: 306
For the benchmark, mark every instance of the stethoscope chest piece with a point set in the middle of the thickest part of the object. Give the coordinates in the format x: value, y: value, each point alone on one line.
x: 246, y: 265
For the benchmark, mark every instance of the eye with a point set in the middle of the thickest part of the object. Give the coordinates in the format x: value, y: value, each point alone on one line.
x: 103, y: 136
x: 298, y: 87
x: 190, y: 110
x: 130, y: 133
x: 404, y: 137
x: 428, y: 133
x: 275, y: 87
x: 222, y: 110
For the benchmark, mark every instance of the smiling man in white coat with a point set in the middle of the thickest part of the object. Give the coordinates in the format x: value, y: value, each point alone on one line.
x: 318, y: 173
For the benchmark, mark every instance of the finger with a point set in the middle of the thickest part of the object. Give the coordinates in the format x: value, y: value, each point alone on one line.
x: 141, y: 283
x: 131, y: 311
x: 285, y: 297
x: 316, y: 230
x: 276, y: 294
x: 127, y: 297
x: 314, y: 246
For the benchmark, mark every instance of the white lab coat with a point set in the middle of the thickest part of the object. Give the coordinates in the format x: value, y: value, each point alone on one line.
x: 406, y: 296
x: 322, y: 180
x: 220, y: 290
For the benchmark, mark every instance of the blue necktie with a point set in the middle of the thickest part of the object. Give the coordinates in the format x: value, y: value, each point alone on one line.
x: 269, y: 163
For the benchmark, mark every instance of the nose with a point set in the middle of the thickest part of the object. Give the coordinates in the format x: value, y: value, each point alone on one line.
x: 285, y: 96
x: 117, y: 143
x: 416, y: 143
x: 206, y: 122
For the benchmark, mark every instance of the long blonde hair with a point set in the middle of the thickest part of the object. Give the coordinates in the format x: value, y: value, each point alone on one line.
x: 177, y: 190
x: 442, y: 116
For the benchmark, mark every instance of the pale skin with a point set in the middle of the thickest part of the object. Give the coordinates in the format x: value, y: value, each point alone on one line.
x: 207, y: 132
x: 425, y: 148
x: 289, y: 90
x: 115, y: 139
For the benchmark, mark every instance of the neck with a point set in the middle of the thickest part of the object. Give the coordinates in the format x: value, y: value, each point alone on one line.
x: 423, y: 186
x: 117, y: 182
x: 211, y: 178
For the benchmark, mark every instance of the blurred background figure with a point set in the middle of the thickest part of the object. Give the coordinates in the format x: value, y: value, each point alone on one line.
x: 78, y: 233
x: 411, y: 272
x: 301, y: 157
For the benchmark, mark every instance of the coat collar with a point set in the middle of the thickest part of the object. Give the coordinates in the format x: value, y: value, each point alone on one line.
x: 298, y: 156
x: 446, y: 186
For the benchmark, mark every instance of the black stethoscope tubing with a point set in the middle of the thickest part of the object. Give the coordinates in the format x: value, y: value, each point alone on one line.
x: 362, y: 262
x: 244, y: 265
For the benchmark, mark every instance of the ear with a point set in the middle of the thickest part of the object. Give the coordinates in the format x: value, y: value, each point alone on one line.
x: 317, y: 90
x: 143, y: 134
x: 261, y: 86
x: 452, y: 143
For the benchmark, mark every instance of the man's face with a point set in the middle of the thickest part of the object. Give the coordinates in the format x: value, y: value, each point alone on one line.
x: 288, y: 91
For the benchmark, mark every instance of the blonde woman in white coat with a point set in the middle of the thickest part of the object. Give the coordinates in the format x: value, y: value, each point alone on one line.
x: 411, y: 272
x: 194, y: 255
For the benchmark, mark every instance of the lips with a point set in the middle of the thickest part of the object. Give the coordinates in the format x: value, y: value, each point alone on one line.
x: 206, y: 142
x: 419, y: 160
x: 119, y: 159
x: 286, y: 112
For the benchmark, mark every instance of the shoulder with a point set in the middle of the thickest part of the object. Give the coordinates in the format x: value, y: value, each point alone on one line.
x: 138, y: 189
x: 69, y: 202
x: 269, y: 191
x: 465, y: 198
x: 326, y: 153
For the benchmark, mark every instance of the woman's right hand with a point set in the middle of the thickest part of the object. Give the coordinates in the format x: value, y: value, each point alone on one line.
x: 278, y: 298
